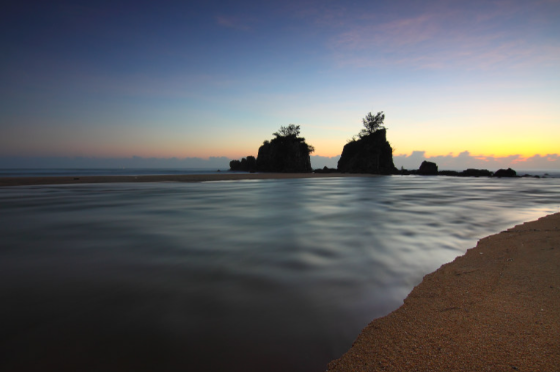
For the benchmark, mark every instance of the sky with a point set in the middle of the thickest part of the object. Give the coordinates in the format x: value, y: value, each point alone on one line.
x: 464, y: 82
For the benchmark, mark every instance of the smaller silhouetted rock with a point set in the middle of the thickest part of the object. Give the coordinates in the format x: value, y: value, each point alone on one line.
x: 427, y: 168
x: 505, y: 173
x: 476, y: 173
x: 248, y: 164
x: 467, y: 173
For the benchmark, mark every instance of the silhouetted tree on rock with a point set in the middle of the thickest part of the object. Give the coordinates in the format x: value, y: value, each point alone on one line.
x: 372, y: 123
x: 291, y: 130
x: 286, y: 152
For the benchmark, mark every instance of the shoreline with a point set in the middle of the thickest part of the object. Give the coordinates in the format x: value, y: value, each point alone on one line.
x: 76, y: 180
x: 494, y: 308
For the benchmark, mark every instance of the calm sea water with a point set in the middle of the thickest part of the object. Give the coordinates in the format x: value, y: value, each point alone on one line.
x: 268, y: 275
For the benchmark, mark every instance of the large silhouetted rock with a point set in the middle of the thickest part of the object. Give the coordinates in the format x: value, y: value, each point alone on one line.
x: 369, y: 154
x: 284, y: 154
x: 427, y: 168
x: 505, y: 173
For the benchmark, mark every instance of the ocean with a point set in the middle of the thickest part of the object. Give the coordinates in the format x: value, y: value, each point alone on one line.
x: 260, y: 275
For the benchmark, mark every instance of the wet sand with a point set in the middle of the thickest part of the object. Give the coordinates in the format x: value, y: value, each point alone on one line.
x: 27, y: 181
x: 497, y: 308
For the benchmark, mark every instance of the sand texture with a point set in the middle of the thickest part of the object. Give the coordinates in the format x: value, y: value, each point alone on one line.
x: 497, y: 308
x: 225, y: 176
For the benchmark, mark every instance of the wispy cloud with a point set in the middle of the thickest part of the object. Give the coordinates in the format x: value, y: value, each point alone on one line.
x: 498, y: 35
x: 233, y: 22
x: 398, y: 33
x: 465, y: 160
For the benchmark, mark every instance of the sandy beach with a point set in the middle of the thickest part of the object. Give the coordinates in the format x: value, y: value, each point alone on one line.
x: 494, y: 309
x: 27, y: 181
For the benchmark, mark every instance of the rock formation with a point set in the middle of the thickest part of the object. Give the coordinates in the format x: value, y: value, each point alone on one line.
x: 505, y: 173
x: 427, y: 168
x: 476, y: 173
x: 471, y: 172
x: 370, y: 154
x: 248, y: 164
x: 287, y: 153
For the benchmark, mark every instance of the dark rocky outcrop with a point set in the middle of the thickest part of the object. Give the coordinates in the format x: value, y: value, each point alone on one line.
x: 427, y: 168
x: 286, y: 153
x: 248, y: 164
x: 471, y: 172
x: 370, y: 154
x: 505, y: 173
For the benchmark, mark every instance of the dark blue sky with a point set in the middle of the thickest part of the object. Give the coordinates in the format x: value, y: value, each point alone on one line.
x: 123, y: 78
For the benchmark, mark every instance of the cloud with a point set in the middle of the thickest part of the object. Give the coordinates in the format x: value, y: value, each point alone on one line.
x: 236, y: 23
x: 437, y: 37
x: 465, y: 160
x: 401, y: 32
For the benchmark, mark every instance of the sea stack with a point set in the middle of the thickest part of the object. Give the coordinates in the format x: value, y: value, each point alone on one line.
x: 369, y: 154
x: 287, y: 153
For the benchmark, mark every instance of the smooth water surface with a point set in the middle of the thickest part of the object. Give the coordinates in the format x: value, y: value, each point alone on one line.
x: 267, y: 275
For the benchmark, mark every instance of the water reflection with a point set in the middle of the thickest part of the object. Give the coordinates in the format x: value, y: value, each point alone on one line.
x: 253, y: 275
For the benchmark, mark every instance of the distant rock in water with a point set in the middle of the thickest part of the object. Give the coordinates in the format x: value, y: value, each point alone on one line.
x: 287, y: 153
x: 427, y: 168
x: 471, y: 172
x: 370, y: 154
x: 505, y: 173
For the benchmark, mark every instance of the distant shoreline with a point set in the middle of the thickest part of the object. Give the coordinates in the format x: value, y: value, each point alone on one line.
x: 197, y: 177
x: 225, y: 176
